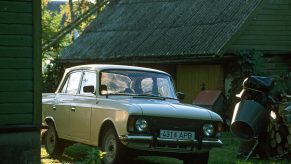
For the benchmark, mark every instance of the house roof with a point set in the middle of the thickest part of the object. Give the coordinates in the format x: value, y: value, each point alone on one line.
x: 139, y: 29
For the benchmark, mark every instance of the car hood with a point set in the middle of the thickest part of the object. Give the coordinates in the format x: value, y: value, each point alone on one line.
x: 161, y: 108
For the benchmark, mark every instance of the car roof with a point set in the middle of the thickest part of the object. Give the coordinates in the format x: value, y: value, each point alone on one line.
x: 100, y: 67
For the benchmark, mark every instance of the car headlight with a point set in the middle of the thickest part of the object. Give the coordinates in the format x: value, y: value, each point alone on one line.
x: 141, y: 125
x: 208, y: 129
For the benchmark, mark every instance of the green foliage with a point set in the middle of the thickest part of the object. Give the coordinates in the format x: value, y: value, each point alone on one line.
x: 94, y: 156
x: 77, y: 151
x: 52, y: 76
x: 80, y: 7
x: 283, y: 84
x: 84, y: 154
x: 244, y: 68
x: 52, y: 23
x: 246, y: 62
x: 250, y: 62
x: 260, y: 64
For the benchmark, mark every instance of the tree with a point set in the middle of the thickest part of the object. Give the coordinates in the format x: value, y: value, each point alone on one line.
x: 52, y: 23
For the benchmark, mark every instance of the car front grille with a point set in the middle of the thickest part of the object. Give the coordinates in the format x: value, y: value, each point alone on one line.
x: 157, y: 123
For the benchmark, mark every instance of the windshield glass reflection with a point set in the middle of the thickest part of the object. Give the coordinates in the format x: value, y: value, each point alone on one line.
x: 136, y: 83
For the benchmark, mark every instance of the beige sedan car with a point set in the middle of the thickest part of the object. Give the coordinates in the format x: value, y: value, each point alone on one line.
x: 127, y: 111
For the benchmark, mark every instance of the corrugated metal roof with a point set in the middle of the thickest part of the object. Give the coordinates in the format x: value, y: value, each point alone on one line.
x: 131, y: 29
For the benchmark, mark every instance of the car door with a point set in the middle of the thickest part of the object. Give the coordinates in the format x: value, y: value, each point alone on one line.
x: 63, y: 102
x: 80, y: 115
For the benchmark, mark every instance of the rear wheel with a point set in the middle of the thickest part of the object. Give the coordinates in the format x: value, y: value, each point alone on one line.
x: 53, y: 145
x: 197, y: 159
x: 110, y: 144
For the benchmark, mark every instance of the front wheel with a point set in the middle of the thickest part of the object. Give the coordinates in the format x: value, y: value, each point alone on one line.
x: 197, y: 159
x: 53, y: 145
x: 115, y: 151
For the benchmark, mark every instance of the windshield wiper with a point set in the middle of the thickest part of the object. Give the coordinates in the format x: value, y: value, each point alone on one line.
x: 140, y: 96
x: 148, y: 96
x: 120, y: 93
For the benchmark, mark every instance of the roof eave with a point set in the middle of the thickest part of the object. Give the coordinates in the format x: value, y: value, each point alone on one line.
x: 156, y: 60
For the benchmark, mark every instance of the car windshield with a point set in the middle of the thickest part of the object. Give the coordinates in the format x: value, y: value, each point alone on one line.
x: 136, y: 83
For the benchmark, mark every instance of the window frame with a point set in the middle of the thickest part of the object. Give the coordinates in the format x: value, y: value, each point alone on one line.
x: 68, y: 76
x: 81, y: 80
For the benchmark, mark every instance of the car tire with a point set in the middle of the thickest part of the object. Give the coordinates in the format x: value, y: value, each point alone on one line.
x: 53, y: 144
x: 110, y: 144
x: 197, y: 159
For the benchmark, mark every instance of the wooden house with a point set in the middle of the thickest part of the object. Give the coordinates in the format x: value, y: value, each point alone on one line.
x: 194, y: 40
x: 20, y: 92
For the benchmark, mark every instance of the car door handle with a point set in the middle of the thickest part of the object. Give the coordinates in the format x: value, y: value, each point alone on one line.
x: 73, y: 109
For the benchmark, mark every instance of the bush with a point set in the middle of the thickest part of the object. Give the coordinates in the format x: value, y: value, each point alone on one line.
x: 52, y: 76
x: 84, y: 154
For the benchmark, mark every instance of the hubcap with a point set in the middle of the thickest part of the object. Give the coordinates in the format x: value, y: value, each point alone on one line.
x: 51, y: 140
x: 110, y: 148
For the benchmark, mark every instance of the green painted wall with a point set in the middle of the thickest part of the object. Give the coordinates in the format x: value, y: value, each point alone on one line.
x: 269, y: 29
x: 20, y: 79
x: 16, y: 62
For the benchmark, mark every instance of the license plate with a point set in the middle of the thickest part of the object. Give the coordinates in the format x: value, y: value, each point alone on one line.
x: 181, y: 135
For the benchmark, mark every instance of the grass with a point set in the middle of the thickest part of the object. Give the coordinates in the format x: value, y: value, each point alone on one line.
x: 226, y: 155
x: 46, y: 159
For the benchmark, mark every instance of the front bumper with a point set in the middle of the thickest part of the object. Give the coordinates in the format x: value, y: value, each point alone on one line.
x: 150, y: 143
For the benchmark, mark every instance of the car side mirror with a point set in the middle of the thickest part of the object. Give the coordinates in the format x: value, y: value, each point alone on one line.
x: 89, y: 89
x: 103, y: 89
x: 180, y: 95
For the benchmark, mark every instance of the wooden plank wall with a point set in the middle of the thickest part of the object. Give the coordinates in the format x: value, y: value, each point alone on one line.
x: 16, y: 62
x: 191, y: 77
x: 269, y: 29
x: 276, y: 66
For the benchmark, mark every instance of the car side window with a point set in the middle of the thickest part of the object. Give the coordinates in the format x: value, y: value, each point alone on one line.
x: 72, y: 84
x: 89, y: 79
x: 163, y: 87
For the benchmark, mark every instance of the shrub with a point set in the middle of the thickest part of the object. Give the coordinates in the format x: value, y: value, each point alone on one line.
x: 52, y: 76
x: 84, y: 153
